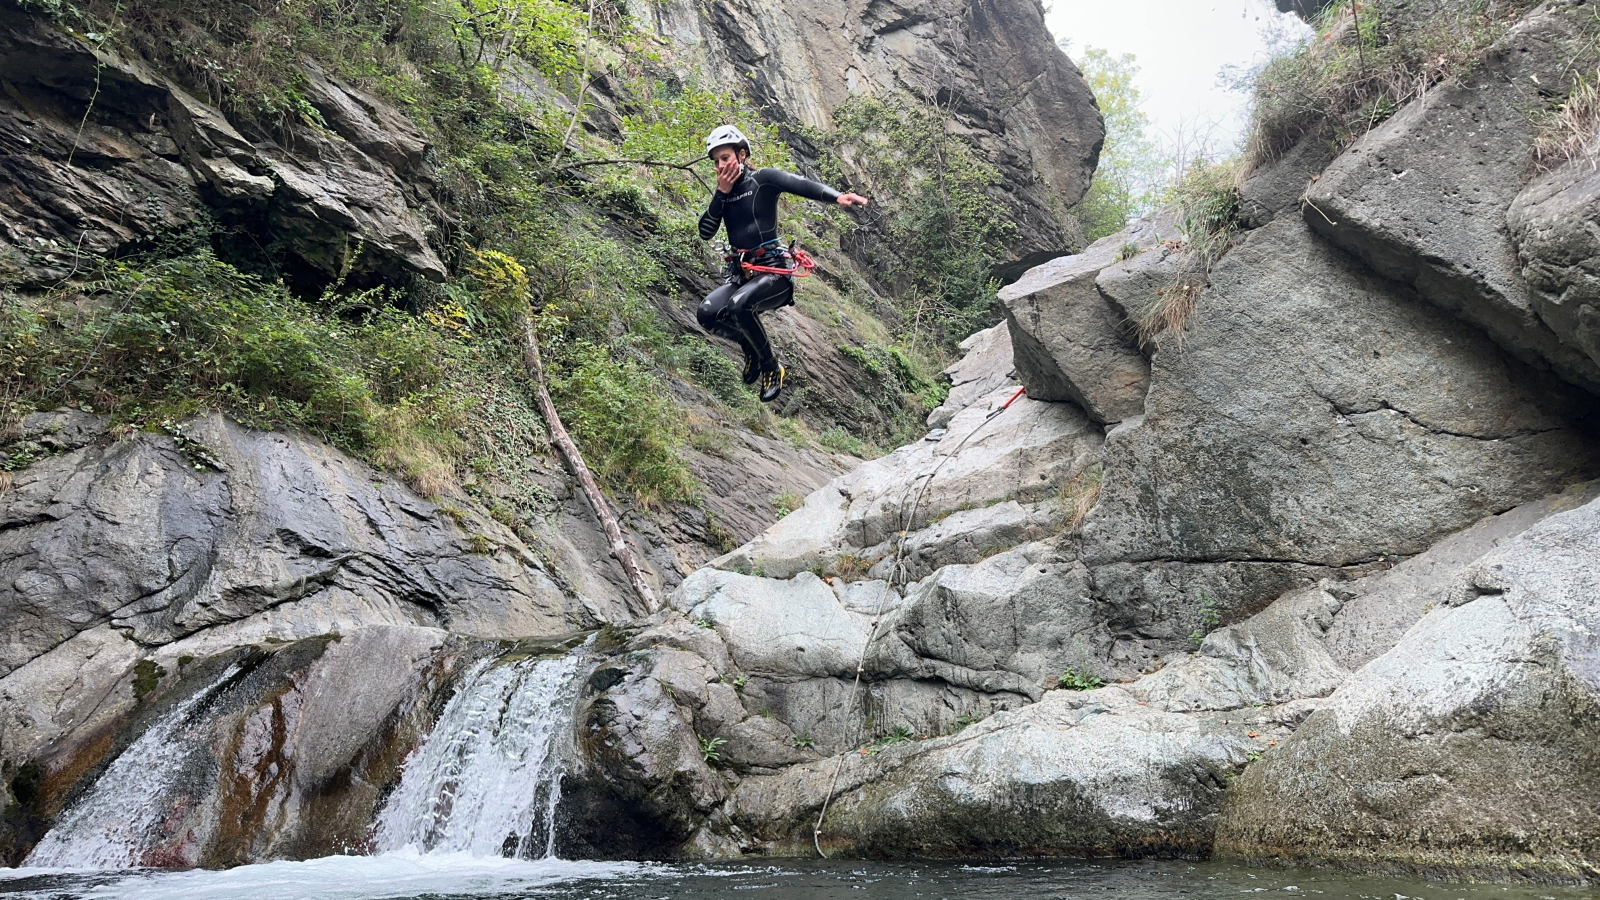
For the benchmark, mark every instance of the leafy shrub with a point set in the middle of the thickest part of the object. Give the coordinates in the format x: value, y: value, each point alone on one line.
x: 625, y: 420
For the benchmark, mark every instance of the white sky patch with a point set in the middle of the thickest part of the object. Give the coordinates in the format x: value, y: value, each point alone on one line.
x: 1182, y: 46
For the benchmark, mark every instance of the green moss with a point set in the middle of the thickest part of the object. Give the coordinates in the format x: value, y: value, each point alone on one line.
x: 147, y: 674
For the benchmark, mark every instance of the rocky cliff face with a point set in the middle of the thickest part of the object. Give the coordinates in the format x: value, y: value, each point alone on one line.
x: 991, y: 65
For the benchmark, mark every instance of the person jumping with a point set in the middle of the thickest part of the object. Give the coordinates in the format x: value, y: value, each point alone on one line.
x: 746, y: 201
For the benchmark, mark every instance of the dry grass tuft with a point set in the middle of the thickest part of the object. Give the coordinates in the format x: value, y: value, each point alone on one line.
x: 1368, y: 60
x: 1082, y: 492
x: 1573, y: 130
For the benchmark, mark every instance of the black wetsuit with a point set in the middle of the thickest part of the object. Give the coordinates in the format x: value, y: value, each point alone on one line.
x: 750, y: 211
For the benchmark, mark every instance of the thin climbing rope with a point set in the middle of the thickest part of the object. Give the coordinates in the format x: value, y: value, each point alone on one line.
x: 896, y: 573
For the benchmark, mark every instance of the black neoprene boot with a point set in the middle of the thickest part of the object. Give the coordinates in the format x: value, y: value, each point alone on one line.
x: 772, y: 382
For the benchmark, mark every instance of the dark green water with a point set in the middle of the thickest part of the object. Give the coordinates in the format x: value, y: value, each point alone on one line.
x: 410, y: 877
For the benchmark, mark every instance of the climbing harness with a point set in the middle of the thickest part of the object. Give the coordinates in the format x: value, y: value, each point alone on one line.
x: 896, y: 576
x: 802, y: 264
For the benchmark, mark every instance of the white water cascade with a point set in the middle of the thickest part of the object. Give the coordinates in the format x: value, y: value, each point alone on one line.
x: 488, y: 780
x: 118, y: 821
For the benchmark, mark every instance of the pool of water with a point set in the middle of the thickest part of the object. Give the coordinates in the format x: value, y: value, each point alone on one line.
x: 404, y: 876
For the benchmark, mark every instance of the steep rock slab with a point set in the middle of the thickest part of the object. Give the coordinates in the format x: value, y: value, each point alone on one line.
x: 985, y: 367
x: 1555, y: 222
x: 1027, y: 452
x: 144, y: 159
x: 1291, y: 426
x: 1423, y: 198
x: 991, y: 64
x: 1471, y: 746
x: 285, y: 535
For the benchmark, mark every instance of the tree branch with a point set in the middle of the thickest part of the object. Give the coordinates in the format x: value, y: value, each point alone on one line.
x: 656, y: 163
x: 585, y: 478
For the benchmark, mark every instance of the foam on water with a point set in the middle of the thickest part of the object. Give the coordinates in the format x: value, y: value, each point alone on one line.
x: 403, y: 874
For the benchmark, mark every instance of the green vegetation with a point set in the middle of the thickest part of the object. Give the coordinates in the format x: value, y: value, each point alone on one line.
x: 147, y: 673
x: 709, y: 749
x: 942, y: 232
x: 786, y: 503
x: 1073, y: 680
x: 899, y: 734
x: 1370, y: 58
x: 1132, y: 178
x: 805, y: 741
x: 1210, y: 618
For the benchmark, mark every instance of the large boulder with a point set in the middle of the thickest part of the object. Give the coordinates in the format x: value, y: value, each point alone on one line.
x: 1291, y: 427
x: 1070, y: 343
x: 1471, y: 745
x: 1555, y: 222
x: 1423, y: 198
x: 984, y: 367
x: 1076, y: 774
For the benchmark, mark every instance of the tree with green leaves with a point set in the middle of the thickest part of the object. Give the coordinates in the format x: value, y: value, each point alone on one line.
x: 1132, y: 176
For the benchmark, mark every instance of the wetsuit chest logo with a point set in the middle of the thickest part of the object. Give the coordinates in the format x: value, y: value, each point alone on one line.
x: 742, y: 196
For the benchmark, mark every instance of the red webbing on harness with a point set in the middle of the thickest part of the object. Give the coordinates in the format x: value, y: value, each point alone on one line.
x: 804, y: 265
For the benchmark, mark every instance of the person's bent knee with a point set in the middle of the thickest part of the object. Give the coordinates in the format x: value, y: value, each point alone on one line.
x: 707, y: 314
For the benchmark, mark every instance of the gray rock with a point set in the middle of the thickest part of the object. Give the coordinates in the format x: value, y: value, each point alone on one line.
x: 967, y: 537
x: 1132, y: 286
x: 1555, y: 222
x: 984, y: 368
x: 1026, y: 453
x: 1070, y: 345
x: 1423, y: 198
x: 1289, y: 427
x: 643, y: 787
x: 1276, y: 186
x: 287, y: 540
x: 1089, y: 774
x: 151, y: 160
x: 1378, y: 611
x: 1275, y: 656
x: 998, y: 73
x: 1470, y: 745
x: 791, y: 628
x: 1010, y: 624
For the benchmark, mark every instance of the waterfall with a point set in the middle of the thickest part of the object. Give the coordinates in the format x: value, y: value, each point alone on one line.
x: 118, y: 821
x: 488, y: 780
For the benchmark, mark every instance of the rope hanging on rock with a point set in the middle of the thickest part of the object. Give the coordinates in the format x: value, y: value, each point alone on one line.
x: 896, y: 576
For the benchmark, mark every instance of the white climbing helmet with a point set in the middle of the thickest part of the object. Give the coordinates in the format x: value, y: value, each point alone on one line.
x: 724, y: 135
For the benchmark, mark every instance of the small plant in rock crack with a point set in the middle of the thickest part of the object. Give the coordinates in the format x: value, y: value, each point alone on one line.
x: 709, y: 749
x: 740, y: 682
x: 805, y: 742
x: 960, y: 723
x: 1210, y: 618
x: 1073, y: 680
x: 900, y: 734
x: 702, y: 623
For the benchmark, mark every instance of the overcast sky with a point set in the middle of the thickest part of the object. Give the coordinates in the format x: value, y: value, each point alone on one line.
x: 1181, y: 45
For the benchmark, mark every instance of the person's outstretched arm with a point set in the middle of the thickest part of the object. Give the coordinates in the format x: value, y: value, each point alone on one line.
x: 791, y: 183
